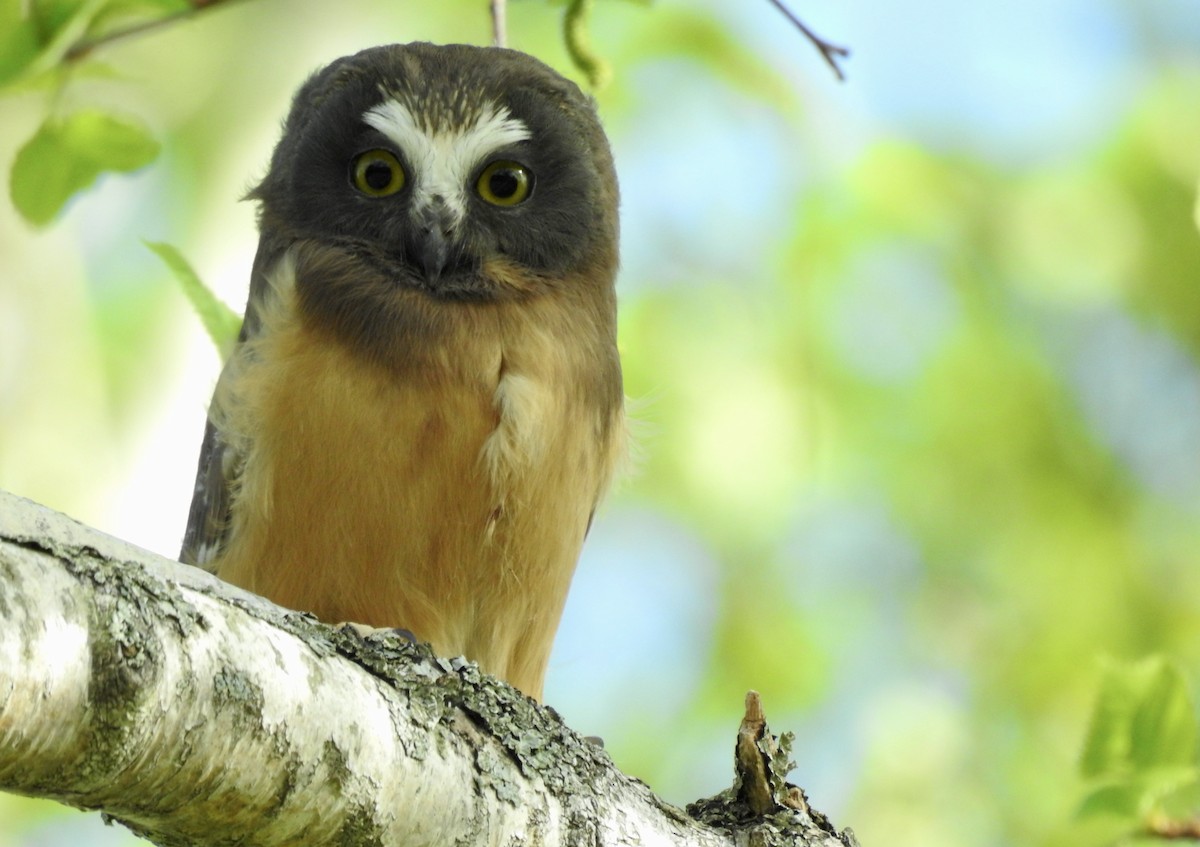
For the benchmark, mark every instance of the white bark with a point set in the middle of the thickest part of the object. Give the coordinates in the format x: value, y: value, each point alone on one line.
x: 198, y: 714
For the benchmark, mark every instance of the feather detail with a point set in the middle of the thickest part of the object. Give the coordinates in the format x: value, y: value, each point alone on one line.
x: 449, y: 499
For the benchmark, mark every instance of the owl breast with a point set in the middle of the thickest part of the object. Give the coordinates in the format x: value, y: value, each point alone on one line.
x: 448, y: 497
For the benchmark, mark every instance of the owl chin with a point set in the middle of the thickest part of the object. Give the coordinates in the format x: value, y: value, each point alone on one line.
x: 496, y: 279
x: 467, y: 283
x: 356, y: 264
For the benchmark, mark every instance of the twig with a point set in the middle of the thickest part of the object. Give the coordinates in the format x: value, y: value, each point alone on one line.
x: 84, y: 46
x: 831, y: 52
x: 499, y: 23
x: 579, y: 46
x: 1166, y: 829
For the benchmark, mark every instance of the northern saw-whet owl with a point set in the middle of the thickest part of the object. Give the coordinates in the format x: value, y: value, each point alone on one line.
x: 424, y: 406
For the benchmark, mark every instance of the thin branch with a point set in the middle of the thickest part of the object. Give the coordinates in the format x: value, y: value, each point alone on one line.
x: 84, y: 46
x: 579, y: 45
x: 831, y: 52
x: 1166, y: 829
x: 499, y: 23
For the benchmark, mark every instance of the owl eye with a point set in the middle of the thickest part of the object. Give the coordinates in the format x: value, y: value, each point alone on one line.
x: 504, y: 183
x: 378, y: 173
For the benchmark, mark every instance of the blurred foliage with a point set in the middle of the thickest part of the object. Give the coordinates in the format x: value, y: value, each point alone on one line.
x: 1140, y: 753
x: 220, y: 322
x: 935, y: 419
x: 65, y: 157
x: 579, y: 43
x: 42, y: 43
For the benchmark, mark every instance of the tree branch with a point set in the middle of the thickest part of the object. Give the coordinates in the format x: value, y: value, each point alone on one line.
x: 578, y: 42
x: 84, y: 46
x: 1167, y: 829
x: 499, y: 23
x: 831, y: 52
x: 197, y: 713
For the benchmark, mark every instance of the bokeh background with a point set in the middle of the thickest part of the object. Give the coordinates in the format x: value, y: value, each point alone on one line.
x: 914, y: 359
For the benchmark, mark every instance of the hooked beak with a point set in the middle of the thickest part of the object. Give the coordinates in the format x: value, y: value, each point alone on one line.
x: 433, y: 241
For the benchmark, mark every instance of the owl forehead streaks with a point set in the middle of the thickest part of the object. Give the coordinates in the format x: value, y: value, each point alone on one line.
x: 444, y: 153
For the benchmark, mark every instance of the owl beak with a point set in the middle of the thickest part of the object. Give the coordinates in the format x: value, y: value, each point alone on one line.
x: 432, y: 254
x: 434, y: 241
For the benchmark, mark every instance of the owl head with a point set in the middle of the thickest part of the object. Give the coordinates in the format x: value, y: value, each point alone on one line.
x: 464, y: 172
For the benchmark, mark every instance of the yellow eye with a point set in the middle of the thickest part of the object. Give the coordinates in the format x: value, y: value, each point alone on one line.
x: 504, y: 183
x: 378, y: 173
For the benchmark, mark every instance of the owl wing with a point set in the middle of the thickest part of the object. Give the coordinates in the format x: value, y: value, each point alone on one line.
x: 208, y: 519
x: 209, y: 514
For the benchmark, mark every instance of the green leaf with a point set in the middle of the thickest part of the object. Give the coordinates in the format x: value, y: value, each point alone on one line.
x: 1181, y: 800
x: 221, y: 322
x: 1163, y: 730
x: 1106, y: 749
x: 1122, y: 800
x: 19, y: 43
x: 1171, y: 791
x: 1167, y: 786
x: 66, y: 156
x: 60, y: 23
x: 1143, y: 719
x: 43, y: 34
x: 53, y: 15
x: 35, y: 38
x: 1096, y: 830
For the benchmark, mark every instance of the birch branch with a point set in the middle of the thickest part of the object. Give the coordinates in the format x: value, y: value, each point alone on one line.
x: 196, y: 713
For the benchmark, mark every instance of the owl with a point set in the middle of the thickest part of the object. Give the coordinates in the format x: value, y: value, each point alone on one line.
x: 424, y: 407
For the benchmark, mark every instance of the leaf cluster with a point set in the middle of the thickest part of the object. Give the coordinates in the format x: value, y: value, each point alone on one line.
x: 41, y: 46
x: 1140, y: 756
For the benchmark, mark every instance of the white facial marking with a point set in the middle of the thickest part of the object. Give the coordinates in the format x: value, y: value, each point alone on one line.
x: 444, y: 160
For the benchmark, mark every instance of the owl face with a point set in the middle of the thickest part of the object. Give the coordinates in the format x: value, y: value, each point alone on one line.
x: 448, y: 169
